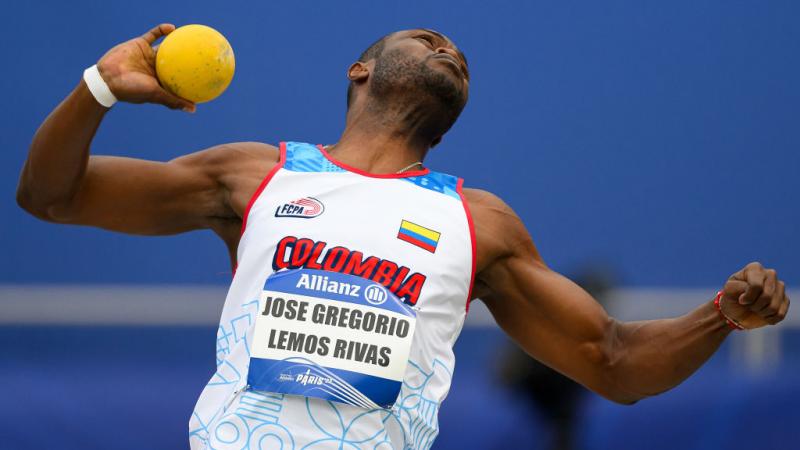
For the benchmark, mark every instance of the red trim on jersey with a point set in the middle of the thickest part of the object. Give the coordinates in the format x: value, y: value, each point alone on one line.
x: 257, y: 193
x: 459, y: 189
x: 344, y: 166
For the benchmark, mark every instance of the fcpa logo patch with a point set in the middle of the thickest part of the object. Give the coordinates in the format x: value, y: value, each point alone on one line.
x: 304, y: 208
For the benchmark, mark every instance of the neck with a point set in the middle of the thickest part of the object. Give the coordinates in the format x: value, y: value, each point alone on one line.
x: 382, y: 142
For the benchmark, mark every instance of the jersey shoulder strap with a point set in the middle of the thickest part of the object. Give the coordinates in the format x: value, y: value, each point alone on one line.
x: 303, y: 157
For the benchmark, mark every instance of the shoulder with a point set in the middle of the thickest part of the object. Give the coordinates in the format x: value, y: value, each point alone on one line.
x: 489, y: 210
x: 499, y: 231
x: 223, y: 158
x: 480, y: 199
x: 234, y: 169
x: 236, y: 166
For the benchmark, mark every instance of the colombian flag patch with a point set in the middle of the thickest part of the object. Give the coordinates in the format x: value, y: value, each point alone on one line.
x: 418, y: 235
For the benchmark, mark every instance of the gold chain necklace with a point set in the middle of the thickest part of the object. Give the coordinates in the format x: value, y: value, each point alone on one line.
x: 408, y: 167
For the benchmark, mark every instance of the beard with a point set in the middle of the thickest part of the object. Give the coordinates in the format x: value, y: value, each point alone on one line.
x: 400, y: 78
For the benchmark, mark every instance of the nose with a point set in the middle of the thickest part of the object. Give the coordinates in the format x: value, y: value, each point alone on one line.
x: 448, y: 51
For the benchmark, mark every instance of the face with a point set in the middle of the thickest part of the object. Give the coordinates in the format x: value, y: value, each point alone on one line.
x: 423, y: 65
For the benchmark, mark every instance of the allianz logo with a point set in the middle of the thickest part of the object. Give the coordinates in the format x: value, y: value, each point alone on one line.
x: 374, y: 293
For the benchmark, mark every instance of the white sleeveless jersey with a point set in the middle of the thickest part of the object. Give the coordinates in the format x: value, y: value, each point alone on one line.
x: 410, y: 233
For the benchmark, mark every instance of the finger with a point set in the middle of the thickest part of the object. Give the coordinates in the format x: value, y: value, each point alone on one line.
x: 779, y: 301
x: 158, y: 31
x: 173, y: 101
x: 784, y: 309
x: 742, y: 274
x: 738, y: 276
x: 734, y: 288
x: 765, y: 299
x: 153, y: 53
x: 754, y: 275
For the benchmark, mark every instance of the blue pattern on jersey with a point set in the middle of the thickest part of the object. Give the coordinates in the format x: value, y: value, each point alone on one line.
x: 302, y: 157
x: 439, y: 182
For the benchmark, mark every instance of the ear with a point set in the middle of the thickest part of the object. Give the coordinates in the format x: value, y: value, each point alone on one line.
x: 358, y: 72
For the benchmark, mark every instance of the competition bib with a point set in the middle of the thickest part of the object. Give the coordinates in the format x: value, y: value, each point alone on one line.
x: 331, y: 336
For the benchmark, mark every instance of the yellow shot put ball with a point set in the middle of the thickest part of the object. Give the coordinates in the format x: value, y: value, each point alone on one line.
x: 195, y: 62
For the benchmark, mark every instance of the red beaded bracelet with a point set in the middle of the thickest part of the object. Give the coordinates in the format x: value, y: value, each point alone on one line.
x: 731, y: 322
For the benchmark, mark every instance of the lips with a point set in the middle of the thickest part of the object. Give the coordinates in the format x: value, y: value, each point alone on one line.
x: 450, y: 58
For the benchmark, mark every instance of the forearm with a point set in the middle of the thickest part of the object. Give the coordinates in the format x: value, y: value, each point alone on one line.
x: 651, y: 357
x: 560, y: 324
x: 59, y: 152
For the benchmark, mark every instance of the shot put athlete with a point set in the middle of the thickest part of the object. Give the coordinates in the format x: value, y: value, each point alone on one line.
x: 338, y: 328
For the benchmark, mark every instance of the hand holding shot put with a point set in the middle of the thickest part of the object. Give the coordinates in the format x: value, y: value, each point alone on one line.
x: 129, y: 70
x: 194, y: 64
x: 425, y: 247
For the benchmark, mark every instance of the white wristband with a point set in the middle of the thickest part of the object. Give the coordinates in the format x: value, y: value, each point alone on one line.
x: 98, y: 87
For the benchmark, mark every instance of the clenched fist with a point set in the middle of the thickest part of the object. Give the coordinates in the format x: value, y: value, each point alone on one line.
x: 129, y: 69
x: 755, y: 297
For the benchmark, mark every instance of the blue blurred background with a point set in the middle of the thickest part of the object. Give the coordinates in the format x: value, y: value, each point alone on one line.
x: 657, y: 141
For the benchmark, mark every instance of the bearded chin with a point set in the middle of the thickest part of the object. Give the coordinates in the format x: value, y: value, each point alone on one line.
x: 397, y: 77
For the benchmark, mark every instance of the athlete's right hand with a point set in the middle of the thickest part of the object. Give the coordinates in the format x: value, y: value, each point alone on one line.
x: 129, y: 69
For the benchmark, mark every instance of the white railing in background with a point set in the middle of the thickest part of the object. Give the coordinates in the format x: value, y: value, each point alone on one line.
x: 179, y: 305
x: 201, y: 305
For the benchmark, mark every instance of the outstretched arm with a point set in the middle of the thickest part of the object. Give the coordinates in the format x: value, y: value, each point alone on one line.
x: 557, y: 322
x: 61, y: 182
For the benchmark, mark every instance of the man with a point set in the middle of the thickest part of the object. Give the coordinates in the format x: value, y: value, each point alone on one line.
x: 332, y: 302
